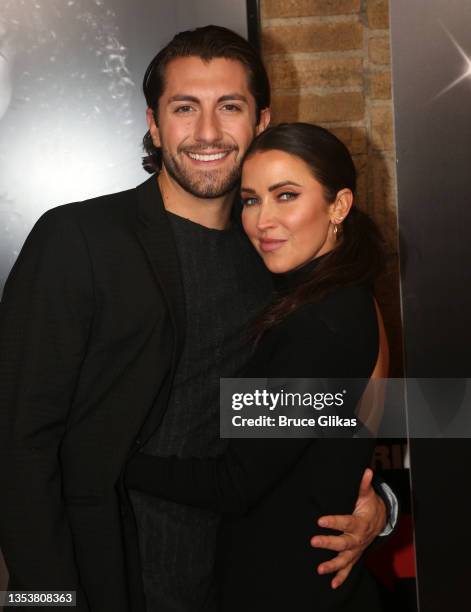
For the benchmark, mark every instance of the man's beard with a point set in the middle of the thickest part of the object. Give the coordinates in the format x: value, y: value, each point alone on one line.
x: 202, y: 183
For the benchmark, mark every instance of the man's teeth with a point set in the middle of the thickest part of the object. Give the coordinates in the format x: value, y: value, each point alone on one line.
x: 211, y: 157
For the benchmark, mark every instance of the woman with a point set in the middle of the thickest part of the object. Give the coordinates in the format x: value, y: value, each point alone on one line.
x: 298, y: 185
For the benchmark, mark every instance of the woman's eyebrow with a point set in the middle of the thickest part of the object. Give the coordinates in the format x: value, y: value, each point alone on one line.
x: 282, y: 184
x: 272, y: 187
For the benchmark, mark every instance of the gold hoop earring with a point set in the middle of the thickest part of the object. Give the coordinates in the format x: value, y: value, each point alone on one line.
x: 335, y: 229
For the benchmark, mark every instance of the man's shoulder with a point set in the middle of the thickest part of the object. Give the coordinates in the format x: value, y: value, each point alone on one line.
x: 111, y: 208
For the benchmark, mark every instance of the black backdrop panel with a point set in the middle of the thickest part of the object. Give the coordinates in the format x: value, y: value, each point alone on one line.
x: 431, y: 44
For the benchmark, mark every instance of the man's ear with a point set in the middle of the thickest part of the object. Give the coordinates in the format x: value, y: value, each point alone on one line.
x: 263, y: 122
x: 342, y: 205
x: 152, y: 125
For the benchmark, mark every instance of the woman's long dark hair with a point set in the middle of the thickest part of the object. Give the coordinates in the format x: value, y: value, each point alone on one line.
x: 358, y: 257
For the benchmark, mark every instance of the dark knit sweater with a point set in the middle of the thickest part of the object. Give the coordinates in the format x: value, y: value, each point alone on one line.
x: 225, y: 284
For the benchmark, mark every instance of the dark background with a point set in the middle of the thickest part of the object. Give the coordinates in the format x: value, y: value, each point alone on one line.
x: 433, y: 136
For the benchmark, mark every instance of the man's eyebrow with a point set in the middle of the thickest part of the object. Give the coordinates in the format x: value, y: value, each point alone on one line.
x: 232, y: 96
x: 225, y: 98
x: 183, y: 98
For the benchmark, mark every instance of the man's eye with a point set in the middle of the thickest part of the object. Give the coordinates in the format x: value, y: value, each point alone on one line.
x: 186, y: 108
x: 287, y: 195
x: 249, y: 201
x: 233, y: 108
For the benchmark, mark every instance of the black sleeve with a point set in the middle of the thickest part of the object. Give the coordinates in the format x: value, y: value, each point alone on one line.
x: 234, y: 481
x: 45, y: 317
x: 230, y: 483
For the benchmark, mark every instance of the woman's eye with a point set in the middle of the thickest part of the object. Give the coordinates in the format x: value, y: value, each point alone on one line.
x: 249, y: 201
x: 288, y: 195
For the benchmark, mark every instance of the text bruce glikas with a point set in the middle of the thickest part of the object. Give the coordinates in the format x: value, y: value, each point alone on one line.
x: 272, y: 401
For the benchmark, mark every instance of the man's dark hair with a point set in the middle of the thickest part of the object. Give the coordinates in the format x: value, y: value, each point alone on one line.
x: 207, y: 43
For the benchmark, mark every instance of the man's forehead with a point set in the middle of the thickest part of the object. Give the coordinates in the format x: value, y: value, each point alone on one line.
x: 221, y: 76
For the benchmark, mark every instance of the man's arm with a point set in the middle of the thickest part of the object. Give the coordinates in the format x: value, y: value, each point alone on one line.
x: 45, y: 316
x: 372, y: 517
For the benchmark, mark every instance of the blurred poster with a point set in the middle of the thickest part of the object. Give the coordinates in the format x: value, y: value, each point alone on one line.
x: 72, y: 115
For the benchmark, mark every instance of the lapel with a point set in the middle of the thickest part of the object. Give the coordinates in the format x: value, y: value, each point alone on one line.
x: 156, y: 237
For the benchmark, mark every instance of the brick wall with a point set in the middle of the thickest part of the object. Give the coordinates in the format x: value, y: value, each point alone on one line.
x: 329, y: 63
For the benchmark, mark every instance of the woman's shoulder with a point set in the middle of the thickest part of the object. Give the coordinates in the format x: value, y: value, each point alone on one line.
x: 336, y: 334
x: 343, y: 309
x: 345, y: 317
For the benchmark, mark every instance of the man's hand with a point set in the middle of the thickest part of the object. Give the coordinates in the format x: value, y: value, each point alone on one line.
x: 359, y: 530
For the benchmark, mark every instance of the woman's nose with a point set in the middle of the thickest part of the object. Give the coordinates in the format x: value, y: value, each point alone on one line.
x: 266, y: 217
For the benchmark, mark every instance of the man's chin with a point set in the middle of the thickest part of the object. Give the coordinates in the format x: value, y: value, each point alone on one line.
x: 208, y: 186
x: 209, y: 192
x: 202, y: 183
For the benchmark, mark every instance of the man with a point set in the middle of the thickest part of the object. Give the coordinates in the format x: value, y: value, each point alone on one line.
x: 117, y: 321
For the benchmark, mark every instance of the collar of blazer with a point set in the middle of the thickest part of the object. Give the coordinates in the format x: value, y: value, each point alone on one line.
x: 156, y: 237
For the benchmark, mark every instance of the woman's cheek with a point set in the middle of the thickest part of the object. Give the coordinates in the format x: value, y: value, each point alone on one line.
x: 248, y: 221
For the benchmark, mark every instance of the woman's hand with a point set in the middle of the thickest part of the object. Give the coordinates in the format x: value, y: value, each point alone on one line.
x: 359, y: 530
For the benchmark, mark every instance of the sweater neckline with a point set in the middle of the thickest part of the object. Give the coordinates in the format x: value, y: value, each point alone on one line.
x: 286, y: 281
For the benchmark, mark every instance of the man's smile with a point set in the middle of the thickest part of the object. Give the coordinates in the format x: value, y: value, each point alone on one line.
x: 208, y: 157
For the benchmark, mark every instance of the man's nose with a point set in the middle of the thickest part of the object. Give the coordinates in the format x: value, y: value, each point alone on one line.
x: 208, y: 128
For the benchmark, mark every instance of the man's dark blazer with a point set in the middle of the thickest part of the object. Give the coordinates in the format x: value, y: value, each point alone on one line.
x: 91, y: 328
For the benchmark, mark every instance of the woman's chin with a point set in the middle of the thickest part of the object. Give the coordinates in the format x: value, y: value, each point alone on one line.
x: 278, y: 266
